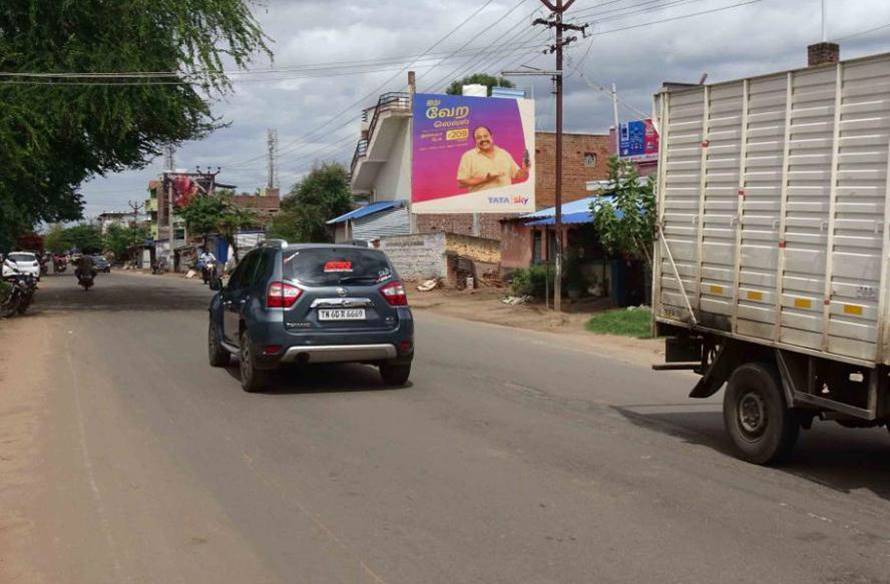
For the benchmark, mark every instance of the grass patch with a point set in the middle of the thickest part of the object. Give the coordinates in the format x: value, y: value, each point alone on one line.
x: 622, y: 322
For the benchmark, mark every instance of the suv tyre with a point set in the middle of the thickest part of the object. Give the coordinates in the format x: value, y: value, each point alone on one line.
x: 252, y: 379
x: 395, y: 374
x: 219, y: 356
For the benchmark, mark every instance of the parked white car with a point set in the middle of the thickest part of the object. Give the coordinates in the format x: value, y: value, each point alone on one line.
x: 23, y: 262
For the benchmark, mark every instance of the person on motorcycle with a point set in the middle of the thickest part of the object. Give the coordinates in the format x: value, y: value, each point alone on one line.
x: 85, y: 266
x: 206, y: 263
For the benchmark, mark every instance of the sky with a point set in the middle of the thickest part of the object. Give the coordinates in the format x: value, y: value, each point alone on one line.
x: 636, y: 44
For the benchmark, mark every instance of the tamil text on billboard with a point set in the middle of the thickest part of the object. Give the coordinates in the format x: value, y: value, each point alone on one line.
x: 638, y: 141
x: 472, y: 155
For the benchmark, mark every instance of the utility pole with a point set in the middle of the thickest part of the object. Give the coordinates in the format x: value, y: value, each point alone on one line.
x: 555, y: 22
x: 412, y: 89
x: 272, y: 143
x: 168, y: 184
x: 616, y: 121
x: 136, y: 206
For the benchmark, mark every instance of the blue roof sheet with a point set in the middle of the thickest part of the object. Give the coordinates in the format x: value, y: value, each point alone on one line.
x: 576, y: 212
x: 365, y: 211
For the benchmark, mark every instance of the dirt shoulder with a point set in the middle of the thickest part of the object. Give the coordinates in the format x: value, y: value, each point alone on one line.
x: 485, y: 305
x: 26, y: 347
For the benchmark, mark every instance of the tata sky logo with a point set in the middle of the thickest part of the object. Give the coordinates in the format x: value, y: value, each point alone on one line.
x: 517, y: 200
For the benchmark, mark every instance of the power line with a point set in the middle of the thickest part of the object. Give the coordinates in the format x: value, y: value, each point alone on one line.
x: 137, y: 81
x: 863, y: 32
x: 460, y: 70
x: 377, y: 90
x: 673, y: 18
x: 508, y: 13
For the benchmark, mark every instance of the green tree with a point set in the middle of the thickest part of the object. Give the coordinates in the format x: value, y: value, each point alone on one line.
x: 217, y: 213
x: 485, y: 79
x: 56, y: 239
x: 85, y: 237
x: 322, y: 195
x: 203, y: 214
x: 55, y: 133
x: 625, y: 222
x: 119, y: 239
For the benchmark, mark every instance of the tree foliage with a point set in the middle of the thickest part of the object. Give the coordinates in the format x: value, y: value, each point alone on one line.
x: 119, y: 238
x: 217, y: 213
x: 84, y: 237
x: 456, y: 87
x: 55, y: 133
x: 626, y: 221
x: 322, y: 195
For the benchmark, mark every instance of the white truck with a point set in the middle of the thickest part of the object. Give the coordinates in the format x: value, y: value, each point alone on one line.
x: 770, y: 269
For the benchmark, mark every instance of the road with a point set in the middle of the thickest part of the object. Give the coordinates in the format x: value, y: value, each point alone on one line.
x: 514, y: 457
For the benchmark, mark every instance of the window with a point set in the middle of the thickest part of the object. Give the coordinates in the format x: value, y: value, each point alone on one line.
x: 589, y: 159
x: 322, y: 266
x: 241, y: 276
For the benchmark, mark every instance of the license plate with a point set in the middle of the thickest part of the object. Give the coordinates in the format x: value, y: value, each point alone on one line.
x: 341, y: 314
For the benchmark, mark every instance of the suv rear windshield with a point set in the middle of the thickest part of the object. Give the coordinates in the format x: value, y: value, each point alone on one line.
x: 22, y: 257
x: 334, y: 266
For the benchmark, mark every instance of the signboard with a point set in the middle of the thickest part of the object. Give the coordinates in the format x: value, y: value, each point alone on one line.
x: 638, y: 141
x: 472, y: 155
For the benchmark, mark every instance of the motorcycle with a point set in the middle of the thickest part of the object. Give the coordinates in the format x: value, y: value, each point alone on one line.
x: 20, y: 294
x: 208, y: 272
x: 85, y: 279
x: 159, y: 266
x: 60, y: 264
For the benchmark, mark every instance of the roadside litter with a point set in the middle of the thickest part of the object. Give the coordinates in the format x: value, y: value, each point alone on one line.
x: 515, y: 300
x: 428, y: 285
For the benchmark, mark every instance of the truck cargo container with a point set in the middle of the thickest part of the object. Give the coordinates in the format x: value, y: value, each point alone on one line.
x: 771, y: 256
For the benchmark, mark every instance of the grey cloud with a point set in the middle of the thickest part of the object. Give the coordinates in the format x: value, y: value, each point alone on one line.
x: 768, y: 36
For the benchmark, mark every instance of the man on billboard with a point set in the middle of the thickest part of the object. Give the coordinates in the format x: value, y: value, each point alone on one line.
x: 487, y: 166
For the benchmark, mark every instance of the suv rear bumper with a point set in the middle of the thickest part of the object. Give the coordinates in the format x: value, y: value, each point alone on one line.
x: 339, y: 353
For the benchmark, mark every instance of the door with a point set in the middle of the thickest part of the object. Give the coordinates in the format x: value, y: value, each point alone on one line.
x: 342, y: 290
x: 235, y: 295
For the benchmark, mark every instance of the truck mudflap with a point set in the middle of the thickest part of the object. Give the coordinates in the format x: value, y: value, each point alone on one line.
x: 718, y: 372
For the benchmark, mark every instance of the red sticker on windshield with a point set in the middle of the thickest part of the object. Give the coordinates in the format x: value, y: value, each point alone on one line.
x: 337, y: 266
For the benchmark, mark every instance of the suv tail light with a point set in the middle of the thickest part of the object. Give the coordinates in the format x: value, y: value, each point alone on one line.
x: 394, y: 293
x: 282, y: 295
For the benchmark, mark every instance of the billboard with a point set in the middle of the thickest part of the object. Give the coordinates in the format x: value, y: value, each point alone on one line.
x: 472, y: 155
x: 638, y: 141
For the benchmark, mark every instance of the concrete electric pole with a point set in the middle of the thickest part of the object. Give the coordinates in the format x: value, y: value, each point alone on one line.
x: 272, y: 143
x: 558, y: 9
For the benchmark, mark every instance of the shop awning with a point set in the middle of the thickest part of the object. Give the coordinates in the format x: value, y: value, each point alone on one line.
x: 365, y: 211
x: 574, y: 213
x: 567, y: 219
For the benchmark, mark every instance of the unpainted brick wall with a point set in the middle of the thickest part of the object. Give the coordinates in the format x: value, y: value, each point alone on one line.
x: 475, y: 248
x: 574, y: 173
x: 462, y: 223
x: 417, y: 257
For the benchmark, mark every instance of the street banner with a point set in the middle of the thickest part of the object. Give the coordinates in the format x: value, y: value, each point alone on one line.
x: 638, y: 141
x: 472, y: 155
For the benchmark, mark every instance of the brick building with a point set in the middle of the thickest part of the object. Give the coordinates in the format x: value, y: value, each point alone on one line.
x: 585, y: 158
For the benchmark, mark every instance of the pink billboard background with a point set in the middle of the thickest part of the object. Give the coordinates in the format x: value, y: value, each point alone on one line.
x: 436, y: 158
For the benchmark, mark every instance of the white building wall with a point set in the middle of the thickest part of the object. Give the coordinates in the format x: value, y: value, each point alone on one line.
x: 418, y: 256
x: 394, y: 178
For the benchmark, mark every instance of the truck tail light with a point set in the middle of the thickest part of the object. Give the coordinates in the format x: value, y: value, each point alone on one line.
x: 282, y: 295
x: 394, y: 293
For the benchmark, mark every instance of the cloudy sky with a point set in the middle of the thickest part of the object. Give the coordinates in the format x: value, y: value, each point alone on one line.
x: 636, y: 44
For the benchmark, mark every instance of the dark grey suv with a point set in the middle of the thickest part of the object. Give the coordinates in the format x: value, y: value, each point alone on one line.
x: 312, y: 303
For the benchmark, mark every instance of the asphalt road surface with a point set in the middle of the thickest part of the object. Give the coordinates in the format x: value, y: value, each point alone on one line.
x: 514, y: 457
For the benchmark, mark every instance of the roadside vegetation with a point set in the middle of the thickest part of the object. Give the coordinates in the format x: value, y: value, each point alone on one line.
x: 323, y: 194
x: 57, y: 131
x: 624, y: 322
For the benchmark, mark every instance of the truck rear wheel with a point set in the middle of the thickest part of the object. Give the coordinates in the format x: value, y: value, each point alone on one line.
x: 762, y: 428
